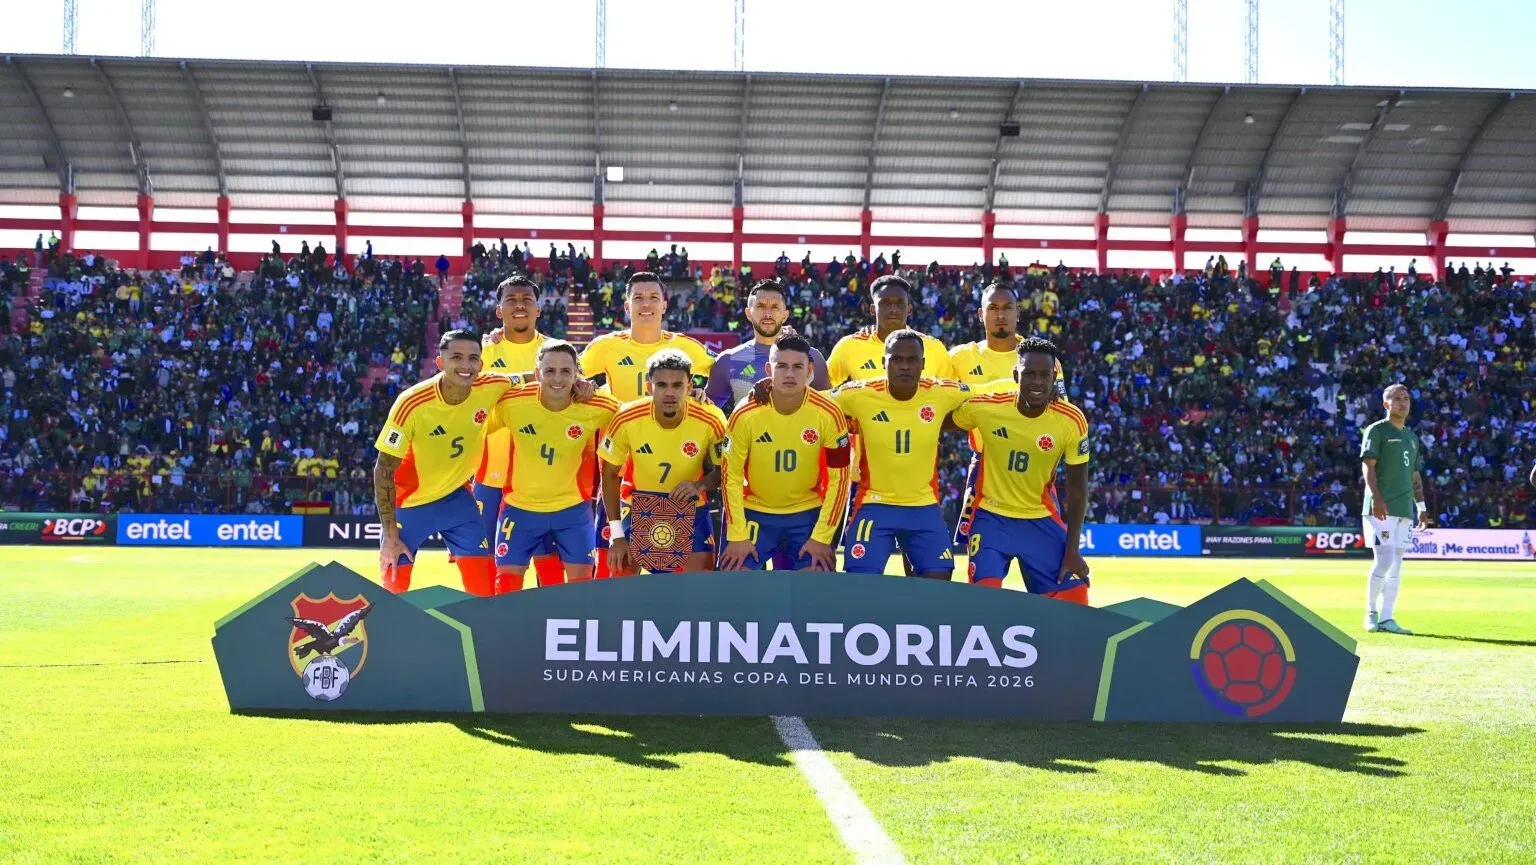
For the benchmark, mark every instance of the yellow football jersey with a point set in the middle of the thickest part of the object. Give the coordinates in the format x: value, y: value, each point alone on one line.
x: 510, y: 357
x: 860, y: 356
x: 553, y: 457
x: 977, y: 363
x: 1020, y: 454
x: 623, y: 360
x: 659, y: 458
x: 440, y: 442
x: 778, y: 464
x: 899, y: 439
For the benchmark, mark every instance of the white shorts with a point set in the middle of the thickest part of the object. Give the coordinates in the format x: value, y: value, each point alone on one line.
x: 1390, y: 532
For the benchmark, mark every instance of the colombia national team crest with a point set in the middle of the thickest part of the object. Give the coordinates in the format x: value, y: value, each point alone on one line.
x: 810, y: 436
x: 1243, y: 662
x: 328, y: 643
x: 1045, y: 443
x: 480, y: 417
x: 690, y: 448
x: 927, y: 414
x: 573, y: 432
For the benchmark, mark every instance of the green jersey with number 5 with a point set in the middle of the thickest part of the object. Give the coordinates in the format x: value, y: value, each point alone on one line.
x: 1398, y: 455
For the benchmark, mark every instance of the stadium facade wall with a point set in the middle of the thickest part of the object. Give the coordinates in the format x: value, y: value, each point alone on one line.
x: 340, y: 232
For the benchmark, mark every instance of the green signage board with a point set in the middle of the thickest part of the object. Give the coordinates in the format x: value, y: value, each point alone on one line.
x: 327, y: 638
x: 794, y: 643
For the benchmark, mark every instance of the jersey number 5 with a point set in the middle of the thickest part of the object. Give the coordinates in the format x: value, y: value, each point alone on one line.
x: 458, y: 446
x: 1407, y: 462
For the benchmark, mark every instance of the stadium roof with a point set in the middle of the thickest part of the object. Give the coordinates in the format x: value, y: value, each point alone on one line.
x: 798, y: 145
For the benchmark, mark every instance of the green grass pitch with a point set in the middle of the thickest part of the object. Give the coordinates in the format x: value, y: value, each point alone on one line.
x: 116, y: 744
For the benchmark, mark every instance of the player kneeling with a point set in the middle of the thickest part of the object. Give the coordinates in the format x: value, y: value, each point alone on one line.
x: 1015, y: 514
x: 553, y: 443
x: 786, y: 475
x: 669, y: 446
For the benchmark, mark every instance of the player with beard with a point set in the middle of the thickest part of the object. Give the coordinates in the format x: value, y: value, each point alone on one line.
x: 1025, y: 435
x: 737, y: 369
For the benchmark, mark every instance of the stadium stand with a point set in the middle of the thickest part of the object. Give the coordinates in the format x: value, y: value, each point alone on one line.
x: 194, y: 390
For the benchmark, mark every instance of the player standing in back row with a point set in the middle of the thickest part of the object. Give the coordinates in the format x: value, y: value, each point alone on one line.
x: 1392, y: 461
x: 622, y: 357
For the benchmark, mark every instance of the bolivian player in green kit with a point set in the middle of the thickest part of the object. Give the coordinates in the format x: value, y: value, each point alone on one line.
x: 1392, y: 461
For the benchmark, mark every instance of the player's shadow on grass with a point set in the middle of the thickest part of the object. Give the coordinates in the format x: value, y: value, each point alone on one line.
x: 1078, y: 747
x: 646, y: 742
x: 1486, y: 641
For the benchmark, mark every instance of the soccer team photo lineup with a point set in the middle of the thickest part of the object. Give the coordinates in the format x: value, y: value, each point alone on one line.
x: 495, y: 432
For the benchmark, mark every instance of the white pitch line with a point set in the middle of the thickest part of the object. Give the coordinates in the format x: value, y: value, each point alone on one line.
x: 860, y: 831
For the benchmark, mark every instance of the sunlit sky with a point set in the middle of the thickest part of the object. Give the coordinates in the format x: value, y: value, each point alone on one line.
x: 1407, y: 43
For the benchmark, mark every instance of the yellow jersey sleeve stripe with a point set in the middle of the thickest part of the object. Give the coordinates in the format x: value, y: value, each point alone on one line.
x: 703, y: 414
x: 517, y: 393
x: 831, y: 408
x: 411, y: 405
x: 1070, y: 411
x: 746, y: 408
x: 628, y: 414
x: 1075, y: 417
x: 605, y: 402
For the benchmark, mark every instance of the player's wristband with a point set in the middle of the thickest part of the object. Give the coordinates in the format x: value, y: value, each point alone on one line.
x: 1423, y: 508
x: 615, y: 529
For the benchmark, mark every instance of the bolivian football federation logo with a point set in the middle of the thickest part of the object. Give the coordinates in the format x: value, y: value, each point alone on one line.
x: 328, y: 643
x: 1243, y: 662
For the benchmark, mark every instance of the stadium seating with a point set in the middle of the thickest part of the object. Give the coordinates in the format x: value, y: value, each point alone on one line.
x: 1211, y: 398
x: 195, y: 391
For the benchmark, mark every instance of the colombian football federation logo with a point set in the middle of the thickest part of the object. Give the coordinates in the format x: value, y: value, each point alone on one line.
x: 328, y: 643
x: 573, y: 432
x: 809, y: 436
x: 927, y: 413
x: 1045, y: 443
x: 857, y: 551
x: 480, y: 417
x: 1243, y: 662
x: 690, y: 448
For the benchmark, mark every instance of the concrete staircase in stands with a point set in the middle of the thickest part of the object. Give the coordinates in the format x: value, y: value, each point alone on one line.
x: 450, y: 298
x: 21, y: 303
x: 579, y: 326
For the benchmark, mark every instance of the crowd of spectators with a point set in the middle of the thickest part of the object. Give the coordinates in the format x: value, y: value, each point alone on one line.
x: 1212, y: 395
x: 191, y: 390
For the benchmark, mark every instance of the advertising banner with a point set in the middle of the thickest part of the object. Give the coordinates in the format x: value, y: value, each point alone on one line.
x: 331, y: 530
x: 209, y: 530
x: 1494, y: 545
x: 1140, y: 540
x: 51, y: 528
x: 792, y: 643
x: 1283, y: 542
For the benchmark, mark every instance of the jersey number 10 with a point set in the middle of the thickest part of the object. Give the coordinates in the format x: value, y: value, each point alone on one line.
x: 785, y: 460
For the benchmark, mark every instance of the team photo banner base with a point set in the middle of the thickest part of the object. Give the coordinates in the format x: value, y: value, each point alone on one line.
x: 327, y: 639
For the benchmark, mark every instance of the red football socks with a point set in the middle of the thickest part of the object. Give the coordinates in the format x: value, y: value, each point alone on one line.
x: 550, y: 570
x: 1076, y: 595
x: 400, y: 580
x: 479, y: 575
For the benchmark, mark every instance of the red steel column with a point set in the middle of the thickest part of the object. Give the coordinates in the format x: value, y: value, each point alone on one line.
x: 467, y: 231
x: 67, y: 208
x: 1336, y: 244
x: 1438, y: 232
x: 1177, y: 226
x: 341, y: 227
x: 597, y: 237
x: 1251, y: 243
x: 1101, y: 240
x: 146, y: 220
x: 988, y: 232
x: 738, y: 220
x: 223, y: 207
x: 866, y: 230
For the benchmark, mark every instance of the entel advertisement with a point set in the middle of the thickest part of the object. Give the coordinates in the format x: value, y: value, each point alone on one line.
x: 1140, y: 540
x: 1494, y: 545
x: 203, y: 530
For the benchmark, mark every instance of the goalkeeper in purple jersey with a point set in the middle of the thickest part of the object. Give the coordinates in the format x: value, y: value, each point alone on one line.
x: 736, y: 370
